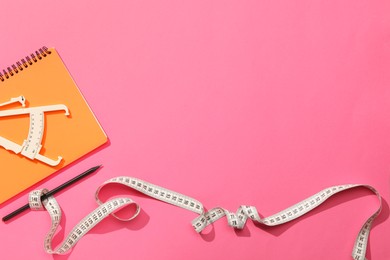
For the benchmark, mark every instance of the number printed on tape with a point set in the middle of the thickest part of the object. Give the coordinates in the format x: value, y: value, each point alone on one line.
x: 205, y: 218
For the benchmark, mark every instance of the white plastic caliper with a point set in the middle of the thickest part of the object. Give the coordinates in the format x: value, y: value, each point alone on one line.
x: 32, y: 145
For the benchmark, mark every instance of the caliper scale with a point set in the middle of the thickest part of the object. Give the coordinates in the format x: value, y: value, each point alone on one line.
x: 33, y: 144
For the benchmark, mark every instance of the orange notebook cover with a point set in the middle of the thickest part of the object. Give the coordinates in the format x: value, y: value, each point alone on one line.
x: 45, y: 122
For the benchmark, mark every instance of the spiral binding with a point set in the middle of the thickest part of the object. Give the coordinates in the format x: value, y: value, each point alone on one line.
x: 24, y: 63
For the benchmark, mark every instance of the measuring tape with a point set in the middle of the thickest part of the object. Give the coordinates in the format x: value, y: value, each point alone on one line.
x: 236, y: 220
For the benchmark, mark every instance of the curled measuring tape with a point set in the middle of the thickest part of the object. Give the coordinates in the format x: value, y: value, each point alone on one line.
x: 205, y: 218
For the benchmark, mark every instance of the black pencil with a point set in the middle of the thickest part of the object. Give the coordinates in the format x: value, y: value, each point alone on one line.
x: 52, y: 192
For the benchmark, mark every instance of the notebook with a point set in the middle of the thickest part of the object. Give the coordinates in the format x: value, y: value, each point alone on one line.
x: 45, y: 122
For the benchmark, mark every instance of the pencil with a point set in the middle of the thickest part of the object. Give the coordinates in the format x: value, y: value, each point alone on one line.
x: 52, y: 192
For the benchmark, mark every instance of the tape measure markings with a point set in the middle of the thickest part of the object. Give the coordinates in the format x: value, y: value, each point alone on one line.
x: 236, y: 220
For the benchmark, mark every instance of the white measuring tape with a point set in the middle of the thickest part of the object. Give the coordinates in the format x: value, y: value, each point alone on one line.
x: 205, y: 218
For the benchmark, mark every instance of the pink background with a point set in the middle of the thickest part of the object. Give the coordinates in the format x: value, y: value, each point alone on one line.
x: 230, y: 102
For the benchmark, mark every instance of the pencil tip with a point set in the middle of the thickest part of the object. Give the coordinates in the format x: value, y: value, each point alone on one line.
x: 96, y: 167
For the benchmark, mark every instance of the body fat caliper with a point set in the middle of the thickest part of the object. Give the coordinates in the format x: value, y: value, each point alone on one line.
x: 32, y: 145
